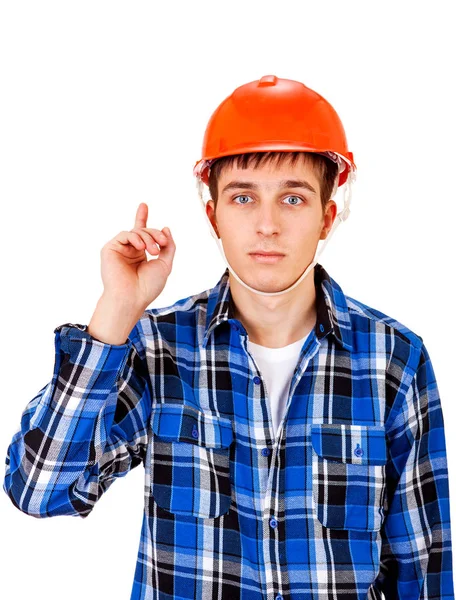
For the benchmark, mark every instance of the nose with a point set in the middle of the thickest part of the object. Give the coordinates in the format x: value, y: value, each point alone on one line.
x: 267, y: 222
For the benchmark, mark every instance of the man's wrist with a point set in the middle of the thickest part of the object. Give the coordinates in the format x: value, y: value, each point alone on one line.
x: 112, y: 320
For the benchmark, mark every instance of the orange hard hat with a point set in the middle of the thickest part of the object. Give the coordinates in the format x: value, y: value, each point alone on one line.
x: 274, y: 114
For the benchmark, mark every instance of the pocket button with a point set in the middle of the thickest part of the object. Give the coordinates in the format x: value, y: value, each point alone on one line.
x: 358, y: 451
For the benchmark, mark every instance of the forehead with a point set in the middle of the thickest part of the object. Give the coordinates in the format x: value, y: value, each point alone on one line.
x: 267, y: 174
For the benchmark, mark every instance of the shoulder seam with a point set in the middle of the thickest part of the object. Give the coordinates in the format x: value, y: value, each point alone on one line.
x: 365, y: 312
x: 181, y: 304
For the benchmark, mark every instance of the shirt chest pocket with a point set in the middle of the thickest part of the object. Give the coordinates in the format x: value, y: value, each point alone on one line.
x: 190, y: 461
x: 349, y: 475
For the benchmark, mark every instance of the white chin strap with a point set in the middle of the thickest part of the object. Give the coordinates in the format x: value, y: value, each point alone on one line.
x: 341, y: 216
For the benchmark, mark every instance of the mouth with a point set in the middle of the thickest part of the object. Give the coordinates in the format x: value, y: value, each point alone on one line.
x: 268, y: 253
x: 267, y: 257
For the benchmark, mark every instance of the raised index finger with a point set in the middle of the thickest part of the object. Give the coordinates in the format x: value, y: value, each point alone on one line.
x: 141, y: 215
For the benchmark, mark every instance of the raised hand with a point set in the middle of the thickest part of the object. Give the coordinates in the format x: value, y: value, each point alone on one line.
x: 128, y: 276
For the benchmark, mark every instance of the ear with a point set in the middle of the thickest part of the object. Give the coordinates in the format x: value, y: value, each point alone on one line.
x: 328, y: 218
x: 210, y: 211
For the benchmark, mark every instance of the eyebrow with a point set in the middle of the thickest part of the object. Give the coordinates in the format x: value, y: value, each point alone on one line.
x: 286, y: 183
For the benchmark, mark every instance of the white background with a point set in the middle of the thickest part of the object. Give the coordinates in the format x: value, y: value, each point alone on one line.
x: 103, y: 105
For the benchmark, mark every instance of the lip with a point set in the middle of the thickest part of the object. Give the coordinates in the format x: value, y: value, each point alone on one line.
x: 268, y: 253
x: 267, y: 258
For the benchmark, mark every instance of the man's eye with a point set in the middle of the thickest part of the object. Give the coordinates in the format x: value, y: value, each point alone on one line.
x: 241, y: 197
x: 296, y: 198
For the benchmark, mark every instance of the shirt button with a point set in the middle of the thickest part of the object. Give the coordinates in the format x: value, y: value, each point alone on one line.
x: 358, y: 451
x: 279, y: 597
x: 265, y: 452
x: 195, y: 432
x: 256, y: 379
x: 273, y: 522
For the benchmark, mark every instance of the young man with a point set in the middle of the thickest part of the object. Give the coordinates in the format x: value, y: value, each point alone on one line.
x: 292, y: 437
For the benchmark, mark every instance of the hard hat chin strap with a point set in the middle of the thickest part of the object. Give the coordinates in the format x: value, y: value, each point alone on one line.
x: 341, y: 216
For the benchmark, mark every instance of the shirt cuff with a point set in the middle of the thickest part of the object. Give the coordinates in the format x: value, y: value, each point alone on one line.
x: 79, y: 331
x: 71, y: 335
x: 108, y: 359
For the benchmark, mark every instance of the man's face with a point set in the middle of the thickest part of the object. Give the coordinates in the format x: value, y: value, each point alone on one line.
x: 265, y: 211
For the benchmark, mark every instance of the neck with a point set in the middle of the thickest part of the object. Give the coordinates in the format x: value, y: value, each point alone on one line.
x: 276, y: 321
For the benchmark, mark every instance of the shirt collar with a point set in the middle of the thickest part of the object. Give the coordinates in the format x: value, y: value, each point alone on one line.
x: 333, y: 317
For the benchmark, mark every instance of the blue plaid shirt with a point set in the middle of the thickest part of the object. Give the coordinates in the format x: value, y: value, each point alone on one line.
x: 351, y: 501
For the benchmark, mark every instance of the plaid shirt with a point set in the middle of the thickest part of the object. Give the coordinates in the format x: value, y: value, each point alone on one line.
x: 351, y: 501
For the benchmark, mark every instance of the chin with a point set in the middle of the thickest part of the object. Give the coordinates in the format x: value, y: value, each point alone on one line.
x: 266, y: 278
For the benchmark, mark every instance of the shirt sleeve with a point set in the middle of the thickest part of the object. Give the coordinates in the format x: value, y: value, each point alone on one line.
x: 416, y: 552
x: 85, y: 428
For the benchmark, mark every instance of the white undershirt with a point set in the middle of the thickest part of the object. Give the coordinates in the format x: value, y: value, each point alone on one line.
x: 277, y: 366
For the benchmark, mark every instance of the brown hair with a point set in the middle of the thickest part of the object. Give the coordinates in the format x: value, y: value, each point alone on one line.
x: 324, y: 167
